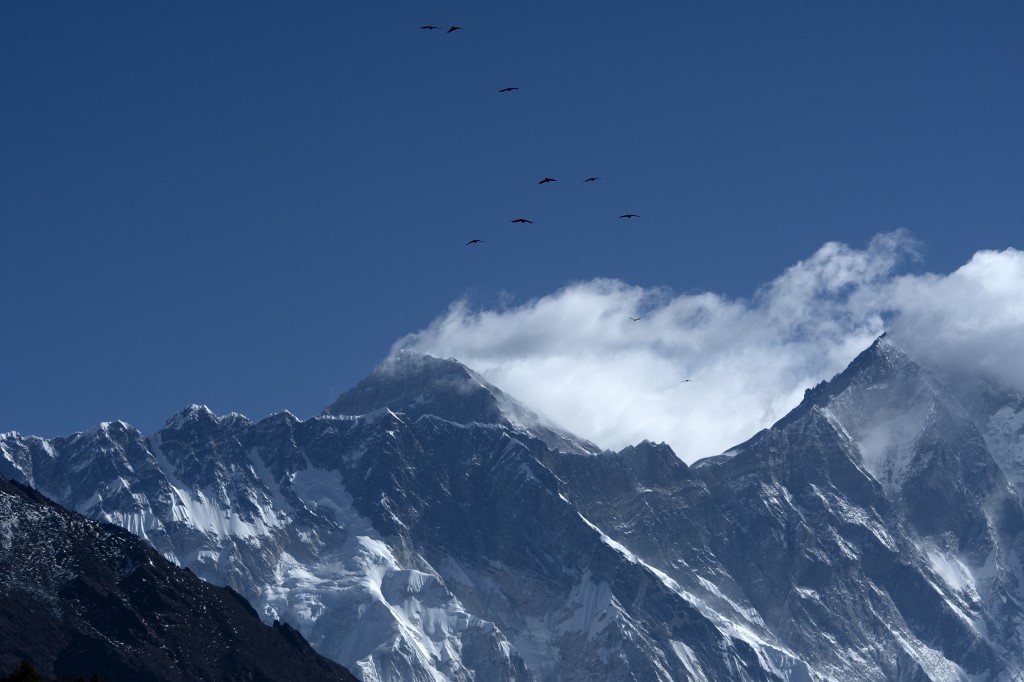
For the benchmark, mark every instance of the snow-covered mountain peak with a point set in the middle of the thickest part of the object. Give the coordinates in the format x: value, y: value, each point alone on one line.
x: 416, y: 384
x: 197, y: 423
x: 194, y: 414
x: 886, y: 346
x: 883, y: 376
x: 105, y: 431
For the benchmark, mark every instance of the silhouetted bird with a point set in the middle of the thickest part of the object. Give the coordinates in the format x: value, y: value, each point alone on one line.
x: 454, y: 28
x: 522, y: 220
x: 546, y: 180
x: 636, y: 319
x: 629, y: 215
x: 507, y: 89
x: 686, y: 381
x: 591, y: 179
x: 430, y: 28
x: 474, y: 241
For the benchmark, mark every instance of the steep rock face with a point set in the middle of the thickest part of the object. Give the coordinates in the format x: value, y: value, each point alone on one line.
x: 792, y: 541
x: 918, y: 441
x: 478, y: 505
x: 832, y: 557
x: 943, y: 477
x: 81, y: 597
x: 831, y: 554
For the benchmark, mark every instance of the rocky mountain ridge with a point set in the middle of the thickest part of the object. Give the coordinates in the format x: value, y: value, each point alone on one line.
x: 428, y: 527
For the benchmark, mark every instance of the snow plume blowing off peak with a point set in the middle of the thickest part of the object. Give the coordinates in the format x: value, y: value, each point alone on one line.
x: 578, y: 357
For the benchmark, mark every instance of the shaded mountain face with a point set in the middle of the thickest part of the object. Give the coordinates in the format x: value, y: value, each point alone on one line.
x: 417, y: 385
x: 870, y: 532
x: 82, y: 597
x: 428, y: 527
x: 1000, y: 417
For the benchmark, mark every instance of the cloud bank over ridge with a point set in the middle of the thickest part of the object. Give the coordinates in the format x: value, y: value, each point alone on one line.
x: 576, y: 355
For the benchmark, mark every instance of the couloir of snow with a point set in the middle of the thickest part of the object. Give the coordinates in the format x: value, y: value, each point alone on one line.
x: 358, y: 603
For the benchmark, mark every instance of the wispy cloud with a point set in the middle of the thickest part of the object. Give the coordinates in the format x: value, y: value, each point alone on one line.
x: 576, y: 355
x: 970, y: 321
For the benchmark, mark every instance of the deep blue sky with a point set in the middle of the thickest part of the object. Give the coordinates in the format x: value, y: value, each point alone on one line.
x: 245, y: 204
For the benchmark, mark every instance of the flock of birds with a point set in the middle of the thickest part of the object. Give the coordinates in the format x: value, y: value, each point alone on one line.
x: 543, y: 181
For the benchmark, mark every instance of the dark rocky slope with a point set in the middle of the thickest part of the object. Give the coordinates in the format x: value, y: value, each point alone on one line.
x: 83, y: 597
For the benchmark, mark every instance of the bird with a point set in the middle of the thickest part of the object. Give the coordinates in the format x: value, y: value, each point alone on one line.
x: 635, y: 319
x: 546, y: 180
x: 430, y: 28
x: 522, y: 220
x: 507, y: 89
x: 686, y: 381
x: 629, y: 215
x: 474, y: 241
x: 454, y: 28
x: 591, y: 179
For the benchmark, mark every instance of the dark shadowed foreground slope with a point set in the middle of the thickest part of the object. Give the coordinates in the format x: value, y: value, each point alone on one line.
x: 78, y: 597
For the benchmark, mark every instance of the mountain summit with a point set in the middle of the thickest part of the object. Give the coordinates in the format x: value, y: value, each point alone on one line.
x: 417, y: 384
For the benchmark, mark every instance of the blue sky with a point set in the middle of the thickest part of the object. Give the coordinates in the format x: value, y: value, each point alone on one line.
x: 245, y: 205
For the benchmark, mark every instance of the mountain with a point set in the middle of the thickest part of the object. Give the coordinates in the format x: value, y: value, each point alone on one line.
x: 869, y: 532
x: 424, y: 548
x: 417, y: 385
x: 427, y: 526
x: 82, y: 597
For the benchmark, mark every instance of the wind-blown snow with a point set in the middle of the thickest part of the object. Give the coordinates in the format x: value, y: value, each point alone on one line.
x: 888, y: 445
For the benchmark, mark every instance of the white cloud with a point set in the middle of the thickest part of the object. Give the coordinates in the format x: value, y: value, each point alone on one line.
x: 970, y: 321
x: 577, y: 357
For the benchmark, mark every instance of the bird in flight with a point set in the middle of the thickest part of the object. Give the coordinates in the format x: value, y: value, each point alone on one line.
x: 430, y: 28
x: 474, y: 241
x: 635, y: 319
x: 591, y: 179
x: 522, y: 220
x: 686, y: 381
x: 546, y: 180
x: 454, y: 28
x: 630, y: 215
x: 507, y: 89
